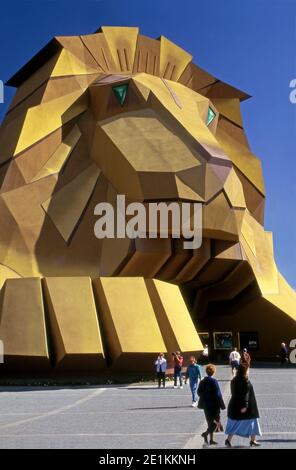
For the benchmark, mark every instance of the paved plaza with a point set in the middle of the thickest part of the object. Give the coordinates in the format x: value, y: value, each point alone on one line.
x: 138, y: 416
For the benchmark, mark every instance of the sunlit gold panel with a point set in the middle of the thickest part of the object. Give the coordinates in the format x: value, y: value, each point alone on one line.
x: 132, y: 332
x: 174, y: 318
x: 173, y: 59
x: 74, y: 327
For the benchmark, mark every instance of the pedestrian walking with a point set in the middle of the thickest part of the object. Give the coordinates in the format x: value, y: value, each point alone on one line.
x: 245, y: 358
x: 284, y: 354
x: 234, y: 358
x: 161, y: 367
x: 178, y: 362
x: 193, y: 373
x: 211, y: 401
x: 242, y: 413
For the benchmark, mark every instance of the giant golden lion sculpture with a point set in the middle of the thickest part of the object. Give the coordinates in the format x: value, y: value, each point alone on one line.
x: 114, y: 113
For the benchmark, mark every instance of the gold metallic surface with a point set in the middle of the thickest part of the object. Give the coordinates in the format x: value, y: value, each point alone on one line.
x: 22, y: 325
x: 73, y: 323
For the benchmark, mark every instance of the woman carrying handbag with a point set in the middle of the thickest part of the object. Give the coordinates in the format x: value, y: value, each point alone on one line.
x: 211, y: 401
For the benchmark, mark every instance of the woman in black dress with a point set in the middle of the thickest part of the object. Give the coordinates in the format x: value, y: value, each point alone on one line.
x: 211, y: 401
x: 243, y: 415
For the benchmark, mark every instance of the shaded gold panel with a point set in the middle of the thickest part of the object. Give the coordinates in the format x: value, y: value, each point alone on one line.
x: 98, y: 46
x: 147, y: 55
x: 56, y: 162
x: 34, y: 81
x: 196, y: 78
x: 76, y: 47
x: 66, y: 206
x: 148, y: 258
x: 22, y: 325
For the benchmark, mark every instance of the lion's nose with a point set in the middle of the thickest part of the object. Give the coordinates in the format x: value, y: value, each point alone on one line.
x: 144, y: 156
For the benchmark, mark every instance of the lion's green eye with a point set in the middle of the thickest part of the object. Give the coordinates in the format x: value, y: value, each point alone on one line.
x: 120, y: 92
x: 211, y: 116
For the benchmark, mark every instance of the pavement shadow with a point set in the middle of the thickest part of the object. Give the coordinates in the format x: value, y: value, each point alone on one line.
x: 278, y: 440
x: 184, y: 407
x: 46, y: 388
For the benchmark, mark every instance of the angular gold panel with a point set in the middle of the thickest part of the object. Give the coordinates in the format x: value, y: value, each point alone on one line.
x: 258, y: 246
x: 173, y: 59
x: 46, y: 118
x: 129, y: 322
x: 234, y: 190
x: 243, y: 159
x: 219, y: 220
x: 167, y: 152
x: 66, y: 206
x: 77, y: 48
x: 196, y: 78
x: 22, y: 326
x: 149, y: 257
x: 175, y: 322
x: 185, y: 192
x: 68, y: 64
x: 230, y: 108
x: 195, y: 264
x: 114, y: 166
x: 31, y: 161
x: 285, y: 299
x: 122, y: 43
x: 39, y: 77
x: 74, y: 327
x: 147, y: 56
x: 98, y: 46
x: 7, y: 273
x: 59, y: 157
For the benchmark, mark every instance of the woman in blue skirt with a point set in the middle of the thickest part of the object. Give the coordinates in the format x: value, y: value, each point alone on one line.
x: 242, y: 413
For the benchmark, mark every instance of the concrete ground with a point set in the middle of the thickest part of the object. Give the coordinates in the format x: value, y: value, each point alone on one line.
x: 138, y: 416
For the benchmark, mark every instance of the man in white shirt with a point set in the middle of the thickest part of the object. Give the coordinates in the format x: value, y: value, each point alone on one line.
x: 234, y: 358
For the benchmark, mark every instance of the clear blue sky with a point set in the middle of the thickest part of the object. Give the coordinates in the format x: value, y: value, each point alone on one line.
x: 251, y: 44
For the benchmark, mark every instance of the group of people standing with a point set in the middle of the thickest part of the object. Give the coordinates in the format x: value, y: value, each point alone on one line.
x: 242, y: 411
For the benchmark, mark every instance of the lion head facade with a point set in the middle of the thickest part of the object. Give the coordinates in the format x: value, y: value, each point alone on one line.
x: 114, y: 113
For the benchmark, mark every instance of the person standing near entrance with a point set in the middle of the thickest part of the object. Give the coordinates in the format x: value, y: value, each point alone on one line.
x: 205, y: 355
x: 242, y: 413
x: 234, y: 358
x: 194, y: 374
x: 161, y: 367
x: 178, y: 362
x: 246, y: 358
x: 284, y: 354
